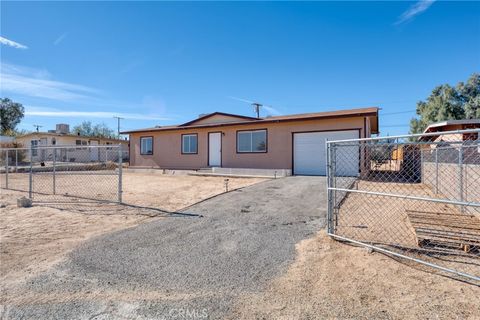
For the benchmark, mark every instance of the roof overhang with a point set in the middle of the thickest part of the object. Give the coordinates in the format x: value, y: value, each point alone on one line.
x: 439, y: 127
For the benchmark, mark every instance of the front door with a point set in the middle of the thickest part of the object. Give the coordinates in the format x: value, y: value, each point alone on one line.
x: 215, y: 149
x: 94, y: 151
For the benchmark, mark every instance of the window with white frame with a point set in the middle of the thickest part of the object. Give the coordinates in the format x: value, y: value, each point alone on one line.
x: 34, y: 144
x: 189, y: 143
x: 146, y: 145
x: 252, y: 141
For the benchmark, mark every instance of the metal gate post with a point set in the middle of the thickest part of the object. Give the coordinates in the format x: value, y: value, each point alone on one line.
x: 333, y: 171
x: 120, y: 173
x: 329, y: 192
x: 460, y: 173
x: 6, y: 169
x: 436, y: 169
x: 16, y: 160
x: 54, y: 169
x: 30, y: 177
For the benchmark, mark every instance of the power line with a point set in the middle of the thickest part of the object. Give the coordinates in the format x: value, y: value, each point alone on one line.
x: 397, y: 112
x: 395, y: 125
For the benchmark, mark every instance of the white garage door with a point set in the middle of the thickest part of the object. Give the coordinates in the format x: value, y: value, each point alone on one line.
x: 309, y: 153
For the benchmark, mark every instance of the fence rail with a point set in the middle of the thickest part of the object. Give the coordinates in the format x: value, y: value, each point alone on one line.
x: 64, y: 173
x: 416, y: 197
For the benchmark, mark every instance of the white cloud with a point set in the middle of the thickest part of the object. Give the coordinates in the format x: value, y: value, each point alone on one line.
x: 50, y: 112
x: 414, y: 10
x: 271, y: 110
x: 35, y: 83
x: 12, y: 44
x: 60, y: 38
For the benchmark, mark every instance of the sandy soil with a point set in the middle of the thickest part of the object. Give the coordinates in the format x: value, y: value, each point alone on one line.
x: 331, y: 280
x: 384, y: 221
x: 327, y: 280
x: 33, y: 239
x: 175, y: 192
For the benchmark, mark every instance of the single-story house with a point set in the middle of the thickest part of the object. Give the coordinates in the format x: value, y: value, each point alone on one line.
x: 293, y: 142
x: 449, y: 145
x: 61, y: 136
x: 452, y: 125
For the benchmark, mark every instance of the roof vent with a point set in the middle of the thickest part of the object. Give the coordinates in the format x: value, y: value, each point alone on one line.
x: 201, y: 115
x: 157, y: 126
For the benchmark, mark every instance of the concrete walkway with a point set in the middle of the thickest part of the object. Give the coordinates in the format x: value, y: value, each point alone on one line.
x: 197, y: 264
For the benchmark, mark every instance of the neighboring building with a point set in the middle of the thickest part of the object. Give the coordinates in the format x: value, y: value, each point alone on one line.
x: 449, y: 145
x: 6, y: 139
x: 294, y: 142
x: 62, y: 137
x: 452, y: 125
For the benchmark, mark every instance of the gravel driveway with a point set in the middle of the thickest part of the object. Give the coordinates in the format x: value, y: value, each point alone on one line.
x: 185, y: 266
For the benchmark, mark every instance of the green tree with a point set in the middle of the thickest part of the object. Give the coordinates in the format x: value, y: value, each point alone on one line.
x: 470, y: 96
x: 86, y: 128
x: 11, y: 113
x: 449, y: 103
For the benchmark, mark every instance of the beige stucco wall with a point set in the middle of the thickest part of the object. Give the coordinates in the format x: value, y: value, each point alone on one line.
x: 79, y: 154
x: 167, y: 145
x: 450, y: 183
x: 64, y: 140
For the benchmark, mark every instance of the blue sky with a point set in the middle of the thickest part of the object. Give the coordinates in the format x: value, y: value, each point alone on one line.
x: 163, y: 63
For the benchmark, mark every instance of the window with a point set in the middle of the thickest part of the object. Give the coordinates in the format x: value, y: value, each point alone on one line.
x: 81, y: 142
x: 146, y: 145
x: 252, y: 141
x: 54, y: 141
x: 34, y: 144
x: 189, y: 143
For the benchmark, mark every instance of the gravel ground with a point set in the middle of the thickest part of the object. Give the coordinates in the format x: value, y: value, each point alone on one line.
x: 190, y: 266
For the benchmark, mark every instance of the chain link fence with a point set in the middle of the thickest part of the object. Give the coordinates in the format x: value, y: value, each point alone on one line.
x: 64, y: 173
x: 415, y: 197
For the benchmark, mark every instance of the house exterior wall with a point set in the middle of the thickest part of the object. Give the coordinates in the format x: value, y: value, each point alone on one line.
x: 65, y: 140
x: 167, y: 144
x: 450, y: 183
x: 68, y: 140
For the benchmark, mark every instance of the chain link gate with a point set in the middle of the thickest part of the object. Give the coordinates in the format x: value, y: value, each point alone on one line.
x: 64, y: 174
x: 416, y: 197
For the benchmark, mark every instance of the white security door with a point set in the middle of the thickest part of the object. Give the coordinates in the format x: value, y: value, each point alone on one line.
x: 94, y: 152
x: 309, y: 153
x: 215, y: 149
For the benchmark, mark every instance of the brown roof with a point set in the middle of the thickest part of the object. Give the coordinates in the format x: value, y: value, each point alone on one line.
x: 218, y: 113
x: 371, y: 111
x: 440, y: 127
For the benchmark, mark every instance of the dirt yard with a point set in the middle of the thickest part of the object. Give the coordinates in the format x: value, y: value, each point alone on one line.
x: 332, y: 280
x: 326, y: 280
x: 33, y: 239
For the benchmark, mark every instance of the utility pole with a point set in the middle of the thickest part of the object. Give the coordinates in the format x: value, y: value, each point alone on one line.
x: 37, y: 126
x: 257, y: 106
x: 118, y: 125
